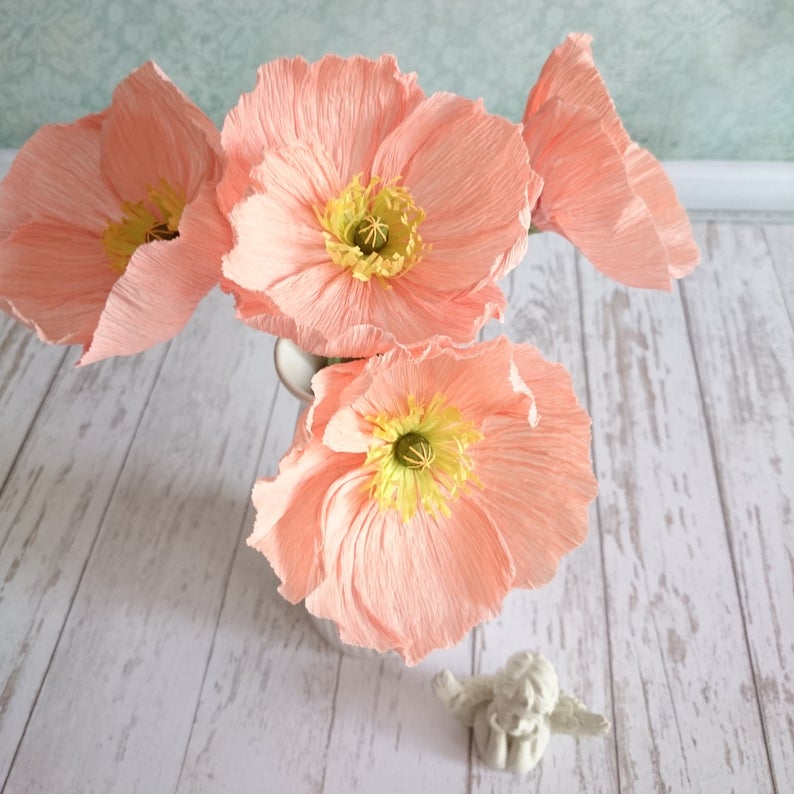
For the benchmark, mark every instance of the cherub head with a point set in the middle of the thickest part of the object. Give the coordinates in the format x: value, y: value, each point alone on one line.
x: 525, y: 691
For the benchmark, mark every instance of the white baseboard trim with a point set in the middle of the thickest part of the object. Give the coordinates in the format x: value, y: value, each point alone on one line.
x: 733, y: 186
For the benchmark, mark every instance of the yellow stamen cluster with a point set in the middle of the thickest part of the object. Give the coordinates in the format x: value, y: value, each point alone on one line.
x: 418, y: 458
x: 155, y: 218
x: 373, y: 230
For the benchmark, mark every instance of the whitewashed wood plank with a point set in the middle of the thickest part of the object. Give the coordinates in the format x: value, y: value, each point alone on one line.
x: 566, y: 620
x: 51, y: 509
x: 268, y: 696
x: 389, y: 734
x: 268, y: 699
x: 27, y: 369
x: 124, y: 681
x: 686, y: 719
x: 744, y: 343
x: 780, y: 240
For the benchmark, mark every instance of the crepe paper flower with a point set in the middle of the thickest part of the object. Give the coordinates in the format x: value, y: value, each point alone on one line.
x: 607, y: 195
x: 360, y: 207
x: 109, y: 230
x: 413, y: 498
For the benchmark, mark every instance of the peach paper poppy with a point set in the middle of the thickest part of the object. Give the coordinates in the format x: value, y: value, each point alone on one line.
x: 365, y: 214
x: 413, y: 499
x: 607, y: 195
x: 109, y: 230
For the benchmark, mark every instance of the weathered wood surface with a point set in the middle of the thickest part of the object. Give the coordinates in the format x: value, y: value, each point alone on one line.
x: 144, y: 648
x: 26, y: 367
x: 780, y: 241
x: 744, y: 345
x: 52, y: 506
x: 683, y: 721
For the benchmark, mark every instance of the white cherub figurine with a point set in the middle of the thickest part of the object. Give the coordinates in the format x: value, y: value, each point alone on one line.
x: 515, y: 711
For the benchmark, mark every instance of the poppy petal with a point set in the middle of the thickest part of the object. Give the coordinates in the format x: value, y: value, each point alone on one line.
x: 172, y: 139
x: 477, y: 193
x: 425, y: 583
x: 57, y: 278
x: 163, y: 283
x: 588, y: 199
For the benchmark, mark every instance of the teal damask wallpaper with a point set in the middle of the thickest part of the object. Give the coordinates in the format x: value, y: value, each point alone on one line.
x: 711, y: 79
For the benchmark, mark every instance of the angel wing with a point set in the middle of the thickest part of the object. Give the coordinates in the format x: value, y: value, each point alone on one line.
x: 572, y: 717
x: 463, y: 698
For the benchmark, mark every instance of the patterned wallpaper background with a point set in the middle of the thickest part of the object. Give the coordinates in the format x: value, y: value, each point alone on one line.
x: 711, y: 79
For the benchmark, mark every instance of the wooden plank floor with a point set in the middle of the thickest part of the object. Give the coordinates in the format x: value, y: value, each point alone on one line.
x: 143, y: 646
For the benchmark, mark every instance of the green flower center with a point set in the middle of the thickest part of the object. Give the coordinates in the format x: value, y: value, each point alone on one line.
x: 371, y: 234
x: 414, y: 451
